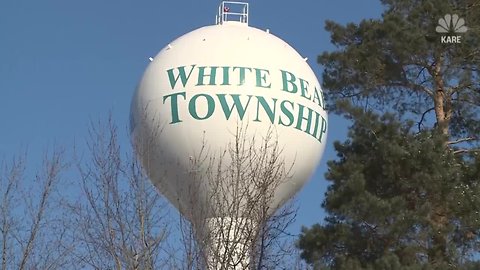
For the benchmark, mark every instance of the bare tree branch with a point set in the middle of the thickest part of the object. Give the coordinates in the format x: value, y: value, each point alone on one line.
x: 423, y: 118
x: 241, y: 227
x: 121, y: 217
x: 462, y: 140
x: 52, y: 167
x: 463, y: 151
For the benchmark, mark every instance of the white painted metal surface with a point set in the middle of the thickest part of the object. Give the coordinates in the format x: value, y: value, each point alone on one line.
x: 204, y: 84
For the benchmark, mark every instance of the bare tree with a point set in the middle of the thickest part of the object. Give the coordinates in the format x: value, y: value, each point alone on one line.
x: 241, y: 229
x: 121, y: 219
x: 121, y: 222
x: 32, y: 231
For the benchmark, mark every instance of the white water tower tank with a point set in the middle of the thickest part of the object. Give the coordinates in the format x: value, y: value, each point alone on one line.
x: 200, y: 87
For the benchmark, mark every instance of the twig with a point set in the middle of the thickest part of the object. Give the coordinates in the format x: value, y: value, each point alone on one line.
x: 463, y: 151
x: 462, y: 140
x: 423, y: 118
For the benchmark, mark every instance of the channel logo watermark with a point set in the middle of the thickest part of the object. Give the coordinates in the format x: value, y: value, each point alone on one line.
x: 453, y: 25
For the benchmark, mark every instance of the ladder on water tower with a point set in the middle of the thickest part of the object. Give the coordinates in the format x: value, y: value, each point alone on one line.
x: 231, y: 11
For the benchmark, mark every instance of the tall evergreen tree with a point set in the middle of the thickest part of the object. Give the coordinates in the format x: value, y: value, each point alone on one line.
x: 405, y: 185
x: 400, y: 63
x: 398, y: 200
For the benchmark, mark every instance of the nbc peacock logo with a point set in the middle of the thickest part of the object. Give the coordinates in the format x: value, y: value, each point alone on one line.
x: 451, y: 23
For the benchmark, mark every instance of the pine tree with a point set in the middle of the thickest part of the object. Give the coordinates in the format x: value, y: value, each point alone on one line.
x: 399, y: 63
x: 404, y: 187
x: 398, y: 200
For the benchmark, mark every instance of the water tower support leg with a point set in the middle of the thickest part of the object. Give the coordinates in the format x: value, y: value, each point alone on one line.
x: 231, y: 242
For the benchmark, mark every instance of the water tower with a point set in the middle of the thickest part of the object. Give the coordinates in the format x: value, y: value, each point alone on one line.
x: 196, y: 95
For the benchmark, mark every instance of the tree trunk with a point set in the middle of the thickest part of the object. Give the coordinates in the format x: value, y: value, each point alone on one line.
x: 442, y: 100
x: 443, y: 112
x: 439, y: 221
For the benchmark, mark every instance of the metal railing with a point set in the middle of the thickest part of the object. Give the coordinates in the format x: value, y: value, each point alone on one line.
x: 231, y: 11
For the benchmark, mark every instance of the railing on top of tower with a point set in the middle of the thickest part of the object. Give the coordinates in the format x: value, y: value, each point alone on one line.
x: 230, y: 11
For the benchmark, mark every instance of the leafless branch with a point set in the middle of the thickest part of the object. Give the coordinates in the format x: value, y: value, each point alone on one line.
x: 423, y: 118
x: 463, y: 151
x: 121, y: 218
x: 462, y: 140
x: 35, y: 239
x: 52, y: 167
x: 241, y: 227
